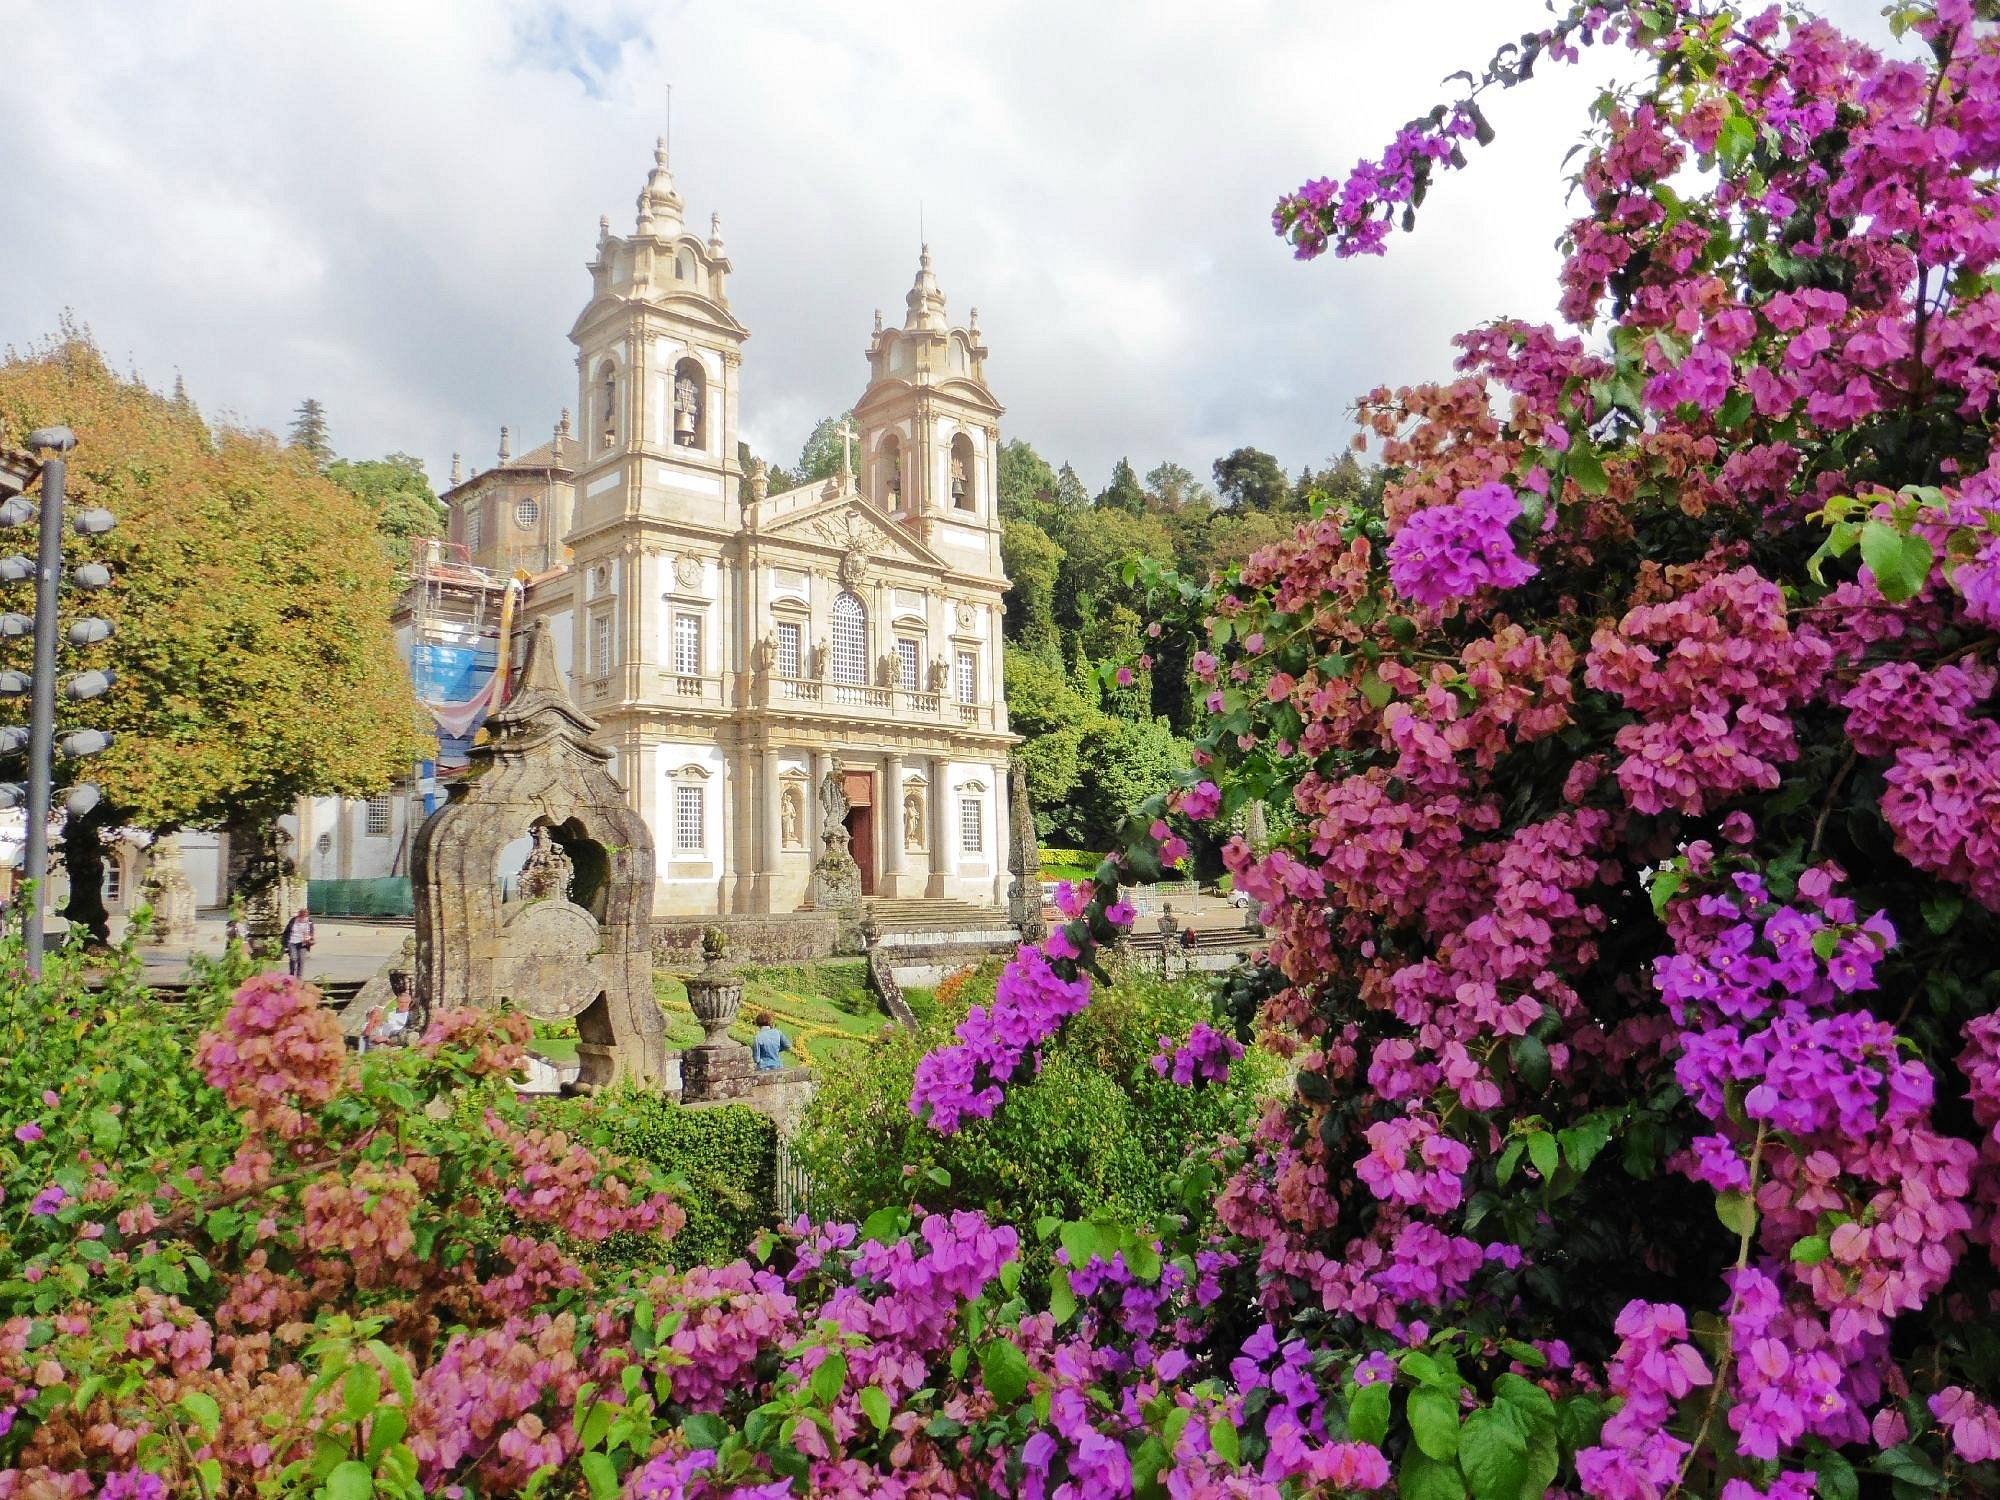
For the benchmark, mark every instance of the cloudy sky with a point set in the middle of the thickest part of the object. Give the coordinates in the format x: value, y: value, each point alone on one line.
x: 387, y: 204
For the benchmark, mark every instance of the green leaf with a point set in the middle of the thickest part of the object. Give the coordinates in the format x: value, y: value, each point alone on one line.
x: 1434, y: 1422
x: 201, y: 1410
x: 1222, y: 1437
x: 1585, y: 470
x: 1811, y: 1250
x: 360, y: 1389
x: 1908, y: 1465
x: 1421, y: 1477
x: 1543, y: 1152
x: 1375, y: 690
x: 1737, y: 1211
x: 939, y: 1176
x: 1900, y: 562
x: 704, y: 1430
x: 1509, y: 1160
x: 350, y: 1480
x: 1941, y: 911
x: 1834, y: 1477
x: 827, y: 1379
x: 1062, y: 1301
x: 1663, y: 887
x: 876, y: 1405
x: 1004, y: 1368
x: 1493, y: 1452
x: 389, y: 1424
x: 1527, y: 1354
x: 884, y: 1225
x: 1735, y: 410
x: 1368, y: 1413
x: 601, y: 1475
x: 1531, y: 1062
x: 1582, y: 1142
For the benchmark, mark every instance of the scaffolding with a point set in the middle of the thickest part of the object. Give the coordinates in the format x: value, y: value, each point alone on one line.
x: 460, y: 615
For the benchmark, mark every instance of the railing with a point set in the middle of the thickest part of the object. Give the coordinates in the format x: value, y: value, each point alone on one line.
x: 797, y: 689
x: 850, y: 695
x: 968, y: 713
x: 790, y: 1187
x: 690, y: 687
x: 921, y: 703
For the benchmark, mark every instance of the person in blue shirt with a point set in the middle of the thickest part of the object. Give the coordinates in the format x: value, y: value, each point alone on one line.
x: 769, y: 1042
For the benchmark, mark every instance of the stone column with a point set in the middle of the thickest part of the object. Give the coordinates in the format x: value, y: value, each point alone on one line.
x: 1001, y: 874
x: 936, y: 771
x: 815, y: 833
x: 890, y: 820
x: 773, y: 844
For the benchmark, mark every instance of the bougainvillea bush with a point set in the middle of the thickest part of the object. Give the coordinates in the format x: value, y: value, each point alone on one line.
x: 1633, y: 929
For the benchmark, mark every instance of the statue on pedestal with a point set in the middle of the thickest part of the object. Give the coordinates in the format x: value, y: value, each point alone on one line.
x: 169, y: 893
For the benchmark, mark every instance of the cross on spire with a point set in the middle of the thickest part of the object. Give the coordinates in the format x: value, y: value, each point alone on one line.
x: 846, y: 448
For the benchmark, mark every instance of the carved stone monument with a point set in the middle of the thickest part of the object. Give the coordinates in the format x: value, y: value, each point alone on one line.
x: 836, y: 880
x: 575, y: 939
x: 170, y: 894
x: 1024, y: 859
x: 270, y: 887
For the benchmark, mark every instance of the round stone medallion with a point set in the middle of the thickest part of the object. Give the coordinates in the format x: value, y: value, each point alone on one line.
x: 546, y: 960
x: 853, y: 567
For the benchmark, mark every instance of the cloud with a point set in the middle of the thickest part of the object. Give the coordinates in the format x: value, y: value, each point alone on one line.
x: 389, y: 206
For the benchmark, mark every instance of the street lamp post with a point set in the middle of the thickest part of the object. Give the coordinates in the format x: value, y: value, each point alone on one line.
x: 50, y: 444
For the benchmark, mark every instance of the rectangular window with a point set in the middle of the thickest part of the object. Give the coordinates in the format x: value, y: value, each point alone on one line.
x: 378, y: 817
x: 971, y: 826
x: 114, y: 881
x: 688, y: 830
x: 906, y: 663
x: 791, y: 649
x: 600, y: 645
x: 474, y: 515
x: 968, y: 677
x: 687, y: 645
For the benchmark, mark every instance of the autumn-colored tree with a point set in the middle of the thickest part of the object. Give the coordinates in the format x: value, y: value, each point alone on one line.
x: 254, y: 657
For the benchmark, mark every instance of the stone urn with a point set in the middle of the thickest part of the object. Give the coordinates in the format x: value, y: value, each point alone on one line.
x: 714, y: 995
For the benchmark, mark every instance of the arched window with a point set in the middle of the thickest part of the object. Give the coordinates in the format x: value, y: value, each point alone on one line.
x: 690, y: 405
x: 961, y: 473
x: 684, y: 267
x: 889, y: 473
x: 850, y: 641
x: 607, y: 405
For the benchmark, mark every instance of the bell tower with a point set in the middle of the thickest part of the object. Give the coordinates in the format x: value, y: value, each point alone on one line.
x: 658, y: 358
x: 930, y: 435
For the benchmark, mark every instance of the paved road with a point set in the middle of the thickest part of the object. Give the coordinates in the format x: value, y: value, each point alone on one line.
x: 346, y: 950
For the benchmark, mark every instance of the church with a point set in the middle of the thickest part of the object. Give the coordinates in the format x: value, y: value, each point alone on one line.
x: 735, y: 646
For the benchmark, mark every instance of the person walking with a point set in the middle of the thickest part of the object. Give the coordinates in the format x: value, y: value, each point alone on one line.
x: 768, y: 1045
x: 299, y: 938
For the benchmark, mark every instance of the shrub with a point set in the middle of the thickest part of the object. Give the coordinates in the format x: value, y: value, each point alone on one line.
x: 722, y: 1162
x: 1098, y: 1131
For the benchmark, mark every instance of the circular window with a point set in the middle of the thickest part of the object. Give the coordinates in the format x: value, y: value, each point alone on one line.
x: 526, y: 513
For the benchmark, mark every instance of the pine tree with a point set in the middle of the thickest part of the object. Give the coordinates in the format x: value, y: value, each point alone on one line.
x: 309, y: 432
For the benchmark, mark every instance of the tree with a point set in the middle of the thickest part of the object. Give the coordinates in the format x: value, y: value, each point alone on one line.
x: 398, y: 492
x: 1046, y: 709
x: 309, y: 431
x: 821, y: 456
x: 1120, y: 763
x: 1026, y: 483
x: 1124, y: 492
x: 1250, y: 479
x: 1033, y: 562
x: 1176, y: 489
x: 1070, y: 493
x: 253, y: 653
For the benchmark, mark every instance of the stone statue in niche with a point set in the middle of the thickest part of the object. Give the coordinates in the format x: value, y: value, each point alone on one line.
x: 687, y: 410
x: 547, y: 872
x: 765, y: 655
x: 940, y: 674
x: 822, y: 660
x: 791, y: 817
x: 885, y: 670
x: 913, y: 820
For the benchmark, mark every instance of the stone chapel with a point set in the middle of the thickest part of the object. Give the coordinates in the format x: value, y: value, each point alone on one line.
x: 736, y: 647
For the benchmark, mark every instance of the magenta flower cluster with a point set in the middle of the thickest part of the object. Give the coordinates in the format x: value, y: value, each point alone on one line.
x: 1452, y: 551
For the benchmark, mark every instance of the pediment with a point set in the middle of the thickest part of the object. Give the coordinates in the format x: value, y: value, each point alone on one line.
x: 847, y: 525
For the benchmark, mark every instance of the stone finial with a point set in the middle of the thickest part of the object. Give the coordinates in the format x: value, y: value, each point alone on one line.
x: 603, y: 228
x: 506, y: 446
x: 878, y: 321
x: 925, y: 301
x: 973, y: 327
x: 659, y: 204
x: 457, y: 474
x: 715, y: 234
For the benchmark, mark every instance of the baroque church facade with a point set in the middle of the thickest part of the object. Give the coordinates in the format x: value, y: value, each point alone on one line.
x: 738, y: 647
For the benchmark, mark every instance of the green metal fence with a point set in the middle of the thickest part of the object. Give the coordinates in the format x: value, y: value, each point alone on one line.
x: 386, y: 896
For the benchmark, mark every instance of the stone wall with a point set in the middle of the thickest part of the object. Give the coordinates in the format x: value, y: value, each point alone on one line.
x: 786, y: 938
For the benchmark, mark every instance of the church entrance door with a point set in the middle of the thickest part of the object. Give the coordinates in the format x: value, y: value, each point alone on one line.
x: 860, y: 789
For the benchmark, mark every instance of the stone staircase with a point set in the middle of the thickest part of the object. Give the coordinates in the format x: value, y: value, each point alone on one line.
x: 894, y: 915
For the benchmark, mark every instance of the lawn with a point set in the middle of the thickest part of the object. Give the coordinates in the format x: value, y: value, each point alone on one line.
x: 824, y: 1007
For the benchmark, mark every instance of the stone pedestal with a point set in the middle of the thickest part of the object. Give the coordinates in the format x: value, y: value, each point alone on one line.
x: 170, y: 894
x: 717, y: 1070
